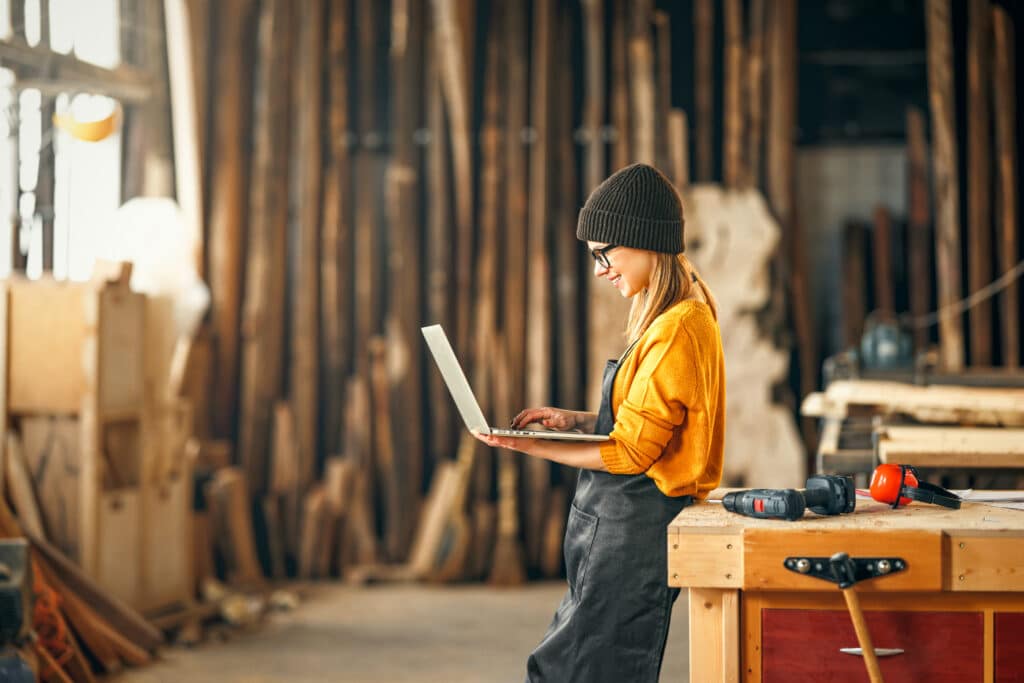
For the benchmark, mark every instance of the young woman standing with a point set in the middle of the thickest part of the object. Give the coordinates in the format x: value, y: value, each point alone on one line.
x: 663, y: 408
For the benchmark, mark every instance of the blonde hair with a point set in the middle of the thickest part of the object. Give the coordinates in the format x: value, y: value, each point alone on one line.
x: 673, y: 279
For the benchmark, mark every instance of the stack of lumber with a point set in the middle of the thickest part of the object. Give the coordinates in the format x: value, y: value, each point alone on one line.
x: 446, y: 192
x: 943, y: 427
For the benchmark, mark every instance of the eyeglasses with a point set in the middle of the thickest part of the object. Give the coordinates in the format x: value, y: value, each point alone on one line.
x: 601, y: 255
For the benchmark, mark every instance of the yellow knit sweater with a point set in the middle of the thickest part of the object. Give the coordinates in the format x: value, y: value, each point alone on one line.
x: 669, y: 404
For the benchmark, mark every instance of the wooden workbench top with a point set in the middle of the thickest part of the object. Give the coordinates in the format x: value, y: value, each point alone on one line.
x: 868, y: 514
x: 976, y: 548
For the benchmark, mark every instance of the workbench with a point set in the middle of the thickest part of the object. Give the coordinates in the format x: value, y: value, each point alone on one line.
x: 956, y: 611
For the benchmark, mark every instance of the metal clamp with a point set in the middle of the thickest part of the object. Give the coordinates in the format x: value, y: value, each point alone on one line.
x: 863, y: 567
x: 879, y: 651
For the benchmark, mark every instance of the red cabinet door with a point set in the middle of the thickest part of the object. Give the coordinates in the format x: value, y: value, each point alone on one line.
x: 1009, y: 637
x: 804, y: 645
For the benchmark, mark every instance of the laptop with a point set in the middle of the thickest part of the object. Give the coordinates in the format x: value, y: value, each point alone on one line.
x: 466, y: 402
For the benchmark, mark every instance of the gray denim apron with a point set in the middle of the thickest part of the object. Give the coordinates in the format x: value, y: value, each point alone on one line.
x: 613, y: 621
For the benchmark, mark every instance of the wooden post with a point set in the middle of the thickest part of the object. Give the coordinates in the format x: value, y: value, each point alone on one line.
x: 538, y: 282
x: 622, y: 152
x: 734, y: 173
x: 979, y: 214
x: 854, y: 277
x: 1006, y: 142
x: 303, y: 374
x: 755, y: 91
x: 704, y: 79
x: 336, y: 234
x: 641, y: 82
x: 885, y: 296
x: 227, y: 209
x: 389, y: 473
x: 663, y: 90
x: 918, y: 220
x: 263, y: 309
x: 782, y: 186
x: 439, y: 257
x: 402, y: 329
x: 944, y: 173
x: 594, y: 91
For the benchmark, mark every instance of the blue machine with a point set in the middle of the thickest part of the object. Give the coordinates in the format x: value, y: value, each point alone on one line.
x: 15, y: 610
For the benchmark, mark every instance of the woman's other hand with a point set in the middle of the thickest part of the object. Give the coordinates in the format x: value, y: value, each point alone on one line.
x: 552, y: 418
x: 522, y: 445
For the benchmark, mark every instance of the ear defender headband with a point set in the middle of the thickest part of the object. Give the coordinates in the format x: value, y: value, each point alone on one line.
x: 899, y: 485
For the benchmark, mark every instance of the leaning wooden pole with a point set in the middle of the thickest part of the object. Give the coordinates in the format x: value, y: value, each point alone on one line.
x: 944, y: 173
x: 679, y: 148
x: 979, y: 227
x: 622, y: 152
x: 263, y: 308
x: 732, y: 156
x: 918, y: 223
x: 755, y: 91
x: 704, y: 75
x: 594, y: 92
x: 663, y: 90
x: 641, y: 81
x: 305, y: 292
x: 782, y: 185
x: 1006, y: 142
x: 227, y: 208
x: 336, y: 234
x: 538, y: 284
x: 403, y: 309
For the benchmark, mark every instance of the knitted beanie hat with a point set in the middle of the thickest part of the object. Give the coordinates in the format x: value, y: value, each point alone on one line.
x: 634, y: 207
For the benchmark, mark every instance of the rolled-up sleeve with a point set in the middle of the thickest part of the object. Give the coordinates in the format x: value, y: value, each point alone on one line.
x: 655, y: 403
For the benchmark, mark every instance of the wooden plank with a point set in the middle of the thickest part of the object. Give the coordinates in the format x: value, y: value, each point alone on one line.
x: 186, y: 40
x: 714, y: 619
x: 703, y: 74
x: 944, y: 173
x: 360, y: 531
x: 272, y: 519
x: 755, y: 54
x: 118, y: 563
x: 679, y: 149
x: 1004, y: 90
x: 305, y: 294
x: 732, y: 155
x: 710, y: 558
x: 19, y: 486
x: 232, y: 524
x: 979, y: 214
x: 555, y: 518
x: 51, y: 453
x: 404, y: 373
x: 936, y: 403
x: 336, y: 280
x: 854, y: 269
x: 228, y: 206
x: 166, y: 539
x: 439, y: 260
x: 985, y: 562
x: 283, y: 473
x: 33, y: 310
x: 885, y: 274
x: 5, y: 330
x: 456, y: 535
x: 781, y: 187
x: 454, y: 55
x: 593, y: 91
x: 622, y: 148
x: 765, y: 550
x: 263, y: 307
x: 313, y: 534
x: 508, y: 567
x: 390, y: 476
x: 952, y: 446
x: 641, y: 82
x: 918, y: 221
x: 569, y: 346
x: 538, y: 285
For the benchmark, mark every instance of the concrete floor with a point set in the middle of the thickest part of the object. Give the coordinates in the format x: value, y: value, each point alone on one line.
x: 451, y: 634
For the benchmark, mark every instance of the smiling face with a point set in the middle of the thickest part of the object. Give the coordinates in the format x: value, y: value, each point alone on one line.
x: 630, y: 269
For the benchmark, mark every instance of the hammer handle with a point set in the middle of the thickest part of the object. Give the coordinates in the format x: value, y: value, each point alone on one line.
x: 863, y: 635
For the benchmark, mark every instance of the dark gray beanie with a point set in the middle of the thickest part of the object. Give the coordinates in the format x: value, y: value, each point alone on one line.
x: 634, y: 207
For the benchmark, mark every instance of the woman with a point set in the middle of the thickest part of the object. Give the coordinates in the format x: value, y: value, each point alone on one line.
x: 663, y: 408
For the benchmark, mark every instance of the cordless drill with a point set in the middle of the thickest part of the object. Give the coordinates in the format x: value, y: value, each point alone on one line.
x: 826, y: 494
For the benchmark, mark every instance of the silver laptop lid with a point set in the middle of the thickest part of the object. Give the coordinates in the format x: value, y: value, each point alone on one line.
x: 455, y: 378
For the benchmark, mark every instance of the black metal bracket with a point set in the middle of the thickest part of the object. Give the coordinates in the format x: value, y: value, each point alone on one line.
x: 845, y: 571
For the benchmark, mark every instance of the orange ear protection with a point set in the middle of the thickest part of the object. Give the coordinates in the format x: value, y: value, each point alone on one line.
x: 900, y: 485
